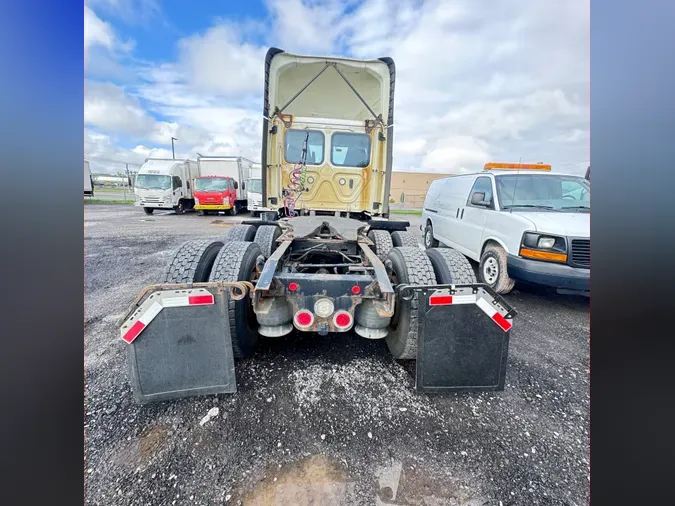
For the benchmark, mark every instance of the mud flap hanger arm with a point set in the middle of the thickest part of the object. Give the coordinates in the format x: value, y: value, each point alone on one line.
x: 278, y: 110
x: 407, y: 292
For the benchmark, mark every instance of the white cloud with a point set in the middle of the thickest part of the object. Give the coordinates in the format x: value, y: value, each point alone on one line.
x: 96, y: 31
x: 220, y: 61
x: 108, y: 107
x: 453, y: 153
x: 509, y: 82
x: 129, y: 11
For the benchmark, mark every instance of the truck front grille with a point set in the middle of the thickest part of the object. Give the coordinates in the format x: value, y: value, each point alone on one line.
x: 581, y: 252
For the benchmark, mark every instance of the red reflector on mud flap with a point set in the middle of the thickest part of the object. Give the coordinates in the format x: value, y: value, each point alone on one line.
x: 133, y: 332
x: 440, y: 300
x: 200, y: 300
x: 502, y: 322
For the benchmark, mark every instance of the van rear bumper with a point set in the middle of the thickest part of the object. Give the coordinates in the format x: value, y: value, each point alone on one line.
x: 549, y: 274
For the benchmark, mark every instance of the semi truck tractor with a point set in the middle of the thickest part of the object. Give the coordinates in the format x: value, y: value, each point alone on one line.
x: 166, y: 184
x: 323, y: 259
x: 235, y: 167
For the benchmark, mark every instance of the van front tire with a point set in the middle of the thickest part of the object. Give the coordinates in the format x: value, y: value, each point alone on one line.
x: 493, y: 270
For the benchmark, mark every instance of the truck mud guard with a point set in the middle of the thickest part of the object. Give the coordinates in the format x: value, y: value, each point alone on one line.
x: 178, y: 340
x: 463, y: 337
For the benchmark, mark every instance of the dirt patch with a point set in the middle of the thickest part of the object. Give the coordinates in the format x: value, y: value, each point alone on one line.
x: 151, y: 442
x: 314, y: 480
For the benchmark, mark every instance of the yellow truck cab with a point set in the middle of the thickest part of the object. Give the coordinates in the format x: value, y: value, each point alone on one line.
x: 327, y: 155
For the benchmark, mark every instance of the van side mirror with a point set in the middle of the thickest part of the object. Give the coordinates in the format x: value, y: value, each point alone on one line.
x: 478, y: 199
x: 236, y: 185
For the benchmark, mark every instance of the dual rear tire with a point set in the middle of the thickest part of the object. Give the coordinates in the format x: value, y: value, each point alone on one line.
x: 206, y: 261
x: 413, y: 266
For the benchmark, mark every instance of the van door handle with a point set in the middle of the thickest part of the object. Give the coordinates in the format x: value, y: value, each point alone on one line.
x: 462, y: 216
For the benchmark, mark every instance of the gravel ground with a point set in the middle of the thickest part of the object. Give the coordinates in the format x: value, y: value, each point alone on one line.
x: 331, y: 420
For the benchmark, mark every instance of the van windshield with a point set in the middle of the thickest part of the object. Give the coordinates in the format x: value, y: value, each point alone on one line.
x: 210, y: 184
x: 539, y: 192
x: 255, y: 185
x: 153, y: 182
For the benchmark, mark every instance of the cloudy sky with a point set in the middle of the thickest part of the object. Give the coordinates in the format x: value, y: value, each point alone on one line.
x: 477, y: 80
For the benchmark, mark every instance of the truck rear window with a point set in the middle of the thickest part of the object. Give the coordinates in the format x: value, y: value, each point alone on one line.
x: 295, y: 141
x: 350, y: 150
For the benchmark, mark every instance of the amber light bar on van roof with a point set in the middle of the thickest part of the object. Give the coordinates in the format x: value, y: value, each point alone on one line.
x: 517, y: 166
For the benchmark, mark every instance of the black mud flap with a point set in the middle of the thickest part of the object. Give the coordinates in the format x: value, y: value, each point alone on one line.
x: 179, y: 345
x: 463, y: 338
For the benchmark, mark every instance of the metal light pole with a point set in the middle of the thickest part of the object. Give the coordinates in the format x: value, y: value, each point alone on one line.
x: 173, y: 152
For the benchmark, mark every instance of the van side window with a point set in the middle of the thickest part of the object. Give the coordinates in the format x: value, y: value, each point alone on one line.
x: 177, y: 183
x: 483, y: 185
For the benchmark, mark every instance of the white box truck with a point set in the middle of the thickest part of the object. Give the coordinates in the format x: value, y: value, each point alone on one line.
x: 235, y: 167
x: 255, y: 190
x: 163, y: 183
x: 88, y: 181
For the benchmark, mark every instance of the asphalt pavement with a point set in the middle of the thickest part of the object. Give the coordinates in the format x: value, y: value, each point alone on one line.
x: 331, y: 420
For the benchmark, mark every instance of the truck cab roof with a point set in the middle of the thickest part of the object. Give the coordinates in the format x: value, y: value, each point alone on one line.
x: 157, y: 166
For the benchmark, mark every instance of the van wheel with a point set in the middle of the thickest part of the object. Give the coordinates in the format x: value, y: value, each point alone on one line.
x: 148, y: 210
x: 493, y: 269
x: 429, y: 240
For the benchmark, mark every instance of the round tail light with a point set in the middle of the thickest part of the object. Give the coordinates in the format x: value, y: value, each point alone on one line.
x: 343, y: 320
x: 303, y: 319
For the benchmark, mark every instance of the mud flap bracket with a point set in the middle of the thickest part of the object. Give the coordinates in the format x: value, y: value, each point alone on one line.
x: 463, y: 338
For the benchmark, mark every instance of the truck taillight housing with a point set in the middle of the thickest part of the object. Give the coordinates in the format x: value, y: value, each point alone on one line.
x: 303, y: 319
x: 343, y: 320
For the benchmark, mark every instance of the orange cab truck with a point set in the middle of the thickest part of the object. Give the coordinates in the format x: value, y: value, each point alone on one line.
x: 215, y: 194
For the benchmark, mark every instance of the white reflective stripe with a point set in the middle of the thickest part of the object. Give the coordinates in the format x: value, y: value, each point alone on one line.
x: 463, y: 299
x: 176, y: 301
x: 486, y: 307
x: 150, y: 314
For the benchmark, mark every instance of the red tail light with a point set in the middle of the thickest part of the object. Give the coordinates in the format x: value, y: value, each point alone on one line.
x: 303, y: 318
x: 292, y: 286
x: 343, y: 320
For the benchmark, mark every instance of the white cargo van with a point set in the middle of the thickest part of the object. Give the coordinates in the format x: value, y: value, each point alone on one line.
x: 166, y: 184
x: 519, y: 221
x: 236, y: 167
